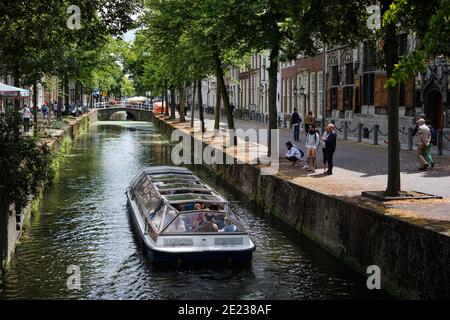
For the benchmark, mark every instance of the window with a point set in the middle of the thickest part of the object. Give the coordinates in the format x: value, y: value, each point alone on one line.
x: 369, y: 58
x: 402, y: 95
x: 349, y: 76
x: 312, y: 92
x: 334, y: 99
x: 403, y: 44
x: 335, y: 76
x: 368, y: 88
x: 348, y: 98
x: 320, y: 94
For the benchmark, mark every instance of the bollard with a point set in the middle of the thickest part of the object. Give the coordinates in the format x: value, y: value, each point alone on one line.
x: 375, y: 134
x: 345, y: 130
x: 440, y: 136
x: 360, y: 131
x: 410, y: 138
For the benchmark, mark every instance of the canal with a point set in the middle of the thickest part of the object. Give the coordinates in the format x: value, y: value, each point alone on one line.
x: 83, y: 222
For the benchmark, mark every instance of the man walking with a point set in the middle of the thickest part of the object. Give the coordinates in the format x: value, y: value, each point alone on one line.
x: 423, y: 140
x: 295, y: 121
x: 330, y: 148
x: 26, y: 118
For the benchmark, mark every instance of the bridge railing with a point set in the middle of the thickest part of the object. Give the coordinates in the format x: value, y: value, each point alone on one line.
x: 122, y: 105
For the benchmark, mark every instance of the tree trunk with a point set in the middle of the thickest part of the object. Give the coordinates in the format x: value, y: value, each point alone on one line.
x: 221, y: 86
x: 273, y: 81
x: 193, y: 104
x: 163, y: 101
x: 35, y: 108
x: 66, y: 95
x: 3, y: 232
x: 217, y: 111
x: 390, y: 49
x: 200, y: 105
x: 172, y: 104
x: 183, y: 103
x: 16, y: 77
x: 167, y: 103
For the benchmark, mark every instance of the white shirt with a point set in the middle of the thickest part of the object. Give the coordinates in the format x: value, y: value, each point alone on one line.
x: 312, y: 140
x: 294, y: 153
x: 26, y: 113
x: 425, y: 132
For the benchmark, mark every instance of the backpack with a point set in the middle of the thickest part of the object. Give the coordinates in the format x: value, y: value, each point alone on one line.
x: 433, y: 135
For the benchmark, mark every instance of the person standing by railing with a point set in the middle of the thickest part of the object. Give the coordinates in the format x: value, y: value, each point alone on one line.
x: 330, y: 148
x: 424, y: 138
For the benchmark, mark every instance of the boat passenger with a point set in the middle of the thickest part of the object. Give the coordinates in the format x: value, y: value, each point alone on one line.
x: 208, y: 225
x: 229, y: 227
x: 189, y: 206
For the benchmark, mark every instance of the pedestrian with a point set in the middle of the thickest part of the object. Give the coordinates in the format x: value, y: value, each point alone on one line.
x: 44, y: 111
x: 26, y: 115
x: 295, y: 121
x: 55, y: 108
x: 324, y: 157
x: 433, y: 142
x: 293, y: 154
x: 416, y: 127
x: 312, y: 144
x: 423, y: 140
x: 330, y: 148
x: 309, y: 120
x: 232, y: 107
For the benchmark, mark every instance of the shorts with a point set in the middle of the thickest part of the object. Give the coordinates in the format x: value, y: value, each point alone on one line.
x: 312, y: 152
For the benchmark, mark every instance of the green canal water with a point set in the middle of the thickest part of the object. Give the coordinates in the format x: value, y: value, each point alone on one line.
x: 83, y: 221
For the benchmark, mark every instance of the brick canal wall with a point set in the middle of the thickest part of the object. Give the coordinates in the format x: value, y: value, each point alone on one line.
x: 414, y: 261
x: 15, y: 225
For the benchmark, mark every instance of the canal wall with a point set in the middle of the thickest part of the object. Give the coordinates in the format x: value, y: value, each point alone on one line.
x: 17, y: 222
x: 414, y: 261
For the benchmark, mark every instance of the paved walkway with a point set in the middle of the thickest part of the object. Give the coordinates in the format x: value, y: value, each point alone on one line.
x: 363, y: 167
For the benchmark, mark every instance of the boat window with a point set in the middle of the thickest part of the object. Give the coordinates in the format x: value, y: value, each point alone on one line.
x: 157, y: 217
x: 192, y: 196
x: 203, y: 222
x: 170, y: 215
x: 180, y: 185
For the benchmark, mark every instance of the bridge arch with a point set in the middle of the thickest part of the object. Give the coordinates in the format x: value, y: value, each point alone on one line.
x: 132, y: 113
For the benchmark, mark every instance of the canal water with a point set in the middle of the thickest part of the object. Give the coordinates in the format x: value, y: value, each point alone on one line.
x: 83, y: 222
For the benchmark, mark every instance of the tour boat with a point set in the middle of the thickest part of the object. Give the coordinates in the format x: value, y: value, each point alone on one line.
x: 180, y: 218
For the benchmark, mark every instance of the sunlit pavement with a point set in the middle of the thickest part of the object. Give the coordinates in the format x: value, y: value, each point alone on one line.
x: 363, y: 167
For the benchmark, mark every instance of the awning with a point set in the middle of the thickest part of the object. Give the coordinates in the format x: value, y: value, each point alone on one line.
x: 10, y: 91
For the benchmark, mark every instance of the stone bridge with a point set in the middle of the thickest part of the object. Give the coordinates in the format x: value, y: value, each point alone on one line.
x: 136, y: 113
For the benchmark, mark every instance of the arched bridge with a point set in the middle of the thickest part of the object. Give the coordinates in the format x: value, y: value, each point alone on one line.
x: 134, y: 112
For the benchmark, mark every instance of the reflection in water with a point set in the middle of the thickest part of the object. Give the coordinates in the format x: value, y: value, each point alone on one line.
x: 83, y: 221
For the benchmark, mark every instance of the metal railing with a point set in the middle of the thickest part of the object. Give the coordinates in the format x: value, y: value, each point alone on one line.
x: 122, y: 105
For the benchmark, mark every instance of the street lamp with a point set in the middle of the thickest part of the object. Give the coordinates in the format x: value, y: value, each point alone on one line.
x: 303, y: 93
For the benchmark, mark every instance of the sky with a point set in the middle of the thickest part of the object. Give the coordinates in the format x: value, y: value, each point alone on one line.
x: 129, y: 36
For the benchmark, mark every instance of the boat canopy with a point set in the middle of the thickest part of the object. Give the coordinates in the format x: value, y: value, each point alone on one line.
x: 174, y: 200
